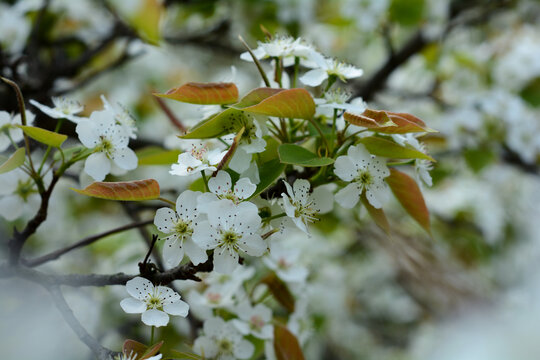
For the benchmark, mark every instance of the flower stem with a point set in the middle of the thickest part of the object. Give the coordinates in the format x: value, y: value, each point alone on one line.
x: 49, y: 148
x: 205, y: 180
x: 152, y: 336
x: 167, y: 201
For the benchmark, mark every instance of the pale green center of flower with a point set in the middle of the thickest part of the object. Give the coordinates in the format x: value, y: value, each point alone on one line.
x: 305, y: 211
x: 105, y: 146
x: 364, y: 177
x: 153, y: 301
x: 183, y: 228
x: 225, y: 346
x: 213, y: 298
x: 256, y: 322
x: 230, y: 238
x: 25, y: 189
x: 283, y: 264
x: 229, y: 195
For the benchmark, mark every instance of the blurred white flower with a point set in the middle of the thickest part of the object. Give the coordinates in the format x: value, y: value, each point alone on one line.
x: 221, y: 341
x: 285, y: 47
x: 255, y: 320
x: 155, y: 303
x: 63, y: 109
x: 110, y: 144
x: 327, y: 67
x: 18, y: 195
x: 9, y: 130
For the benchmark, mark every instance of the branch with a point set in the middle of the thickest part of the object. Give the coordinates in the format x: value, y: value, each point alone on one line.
x: 84, y: 242
x: 101, y: 352
x: 181, y: 272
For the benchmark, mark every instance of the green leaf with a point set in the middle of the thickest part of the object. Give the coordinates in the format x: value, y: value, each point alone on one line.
x: 146, y: 20
x: 531, y: 92
x: 15, y: 160
x: 280, y: 291
x: 408, y: 193
x: 297, y: 155
x: 387, y: 148
x: 268, y: 173
x: 226, y: 122
x: 479, y: 158
x: 407, y: 12
x: 137, y: 190
x: 377, y: 215
x: 286, y: 345
x: 287, y: 103
x: 44, y: 136
x: 154, y: 155
x: 204, y: 93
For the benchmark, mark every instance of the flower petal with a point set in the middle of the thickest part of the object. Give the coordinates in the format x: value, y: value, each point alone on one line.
x: 244, y: 188
x: 225, y: 261
x: 194, y: 252
x: 132, y: 306
x: 139, y: 287
x: 165, y: 219
x: 155, y: 318
x: 125, y: 159
x: 179, y: 308
x: 243, y: 349
x: 314, y: 77
x: 173, y: 252
x: 97, y: 166
x: 348, y: 196
x: 221, y: 183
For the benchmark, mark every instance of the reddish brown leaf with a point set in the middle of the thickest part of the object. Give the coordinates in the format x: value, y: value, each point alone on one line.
x: 204, y: 93
x: 409, y: 195
x: 256, y: 96
x: 125, y: 191
x: 280, y: 291
x: 387, y: 122
x: 286, y: 345
x: 287, y: 103
x: 142, y: 351
x: 376, y: 214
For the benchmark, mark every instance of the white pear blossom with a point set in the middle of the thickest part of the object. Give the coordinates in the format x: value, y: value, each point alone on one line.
x: 327, y: 67
x: 179, y: 225
x: 337, y: 99
x: 230, y: 229
x: 122, y: 117
x: 18, y: 195
x: 14, y: 28
x: 255, y: 320
x: 285, y: 47
x: 284, y: 262
x: 364, y: 171
x: 199, y: 159
x: 109, y: 141
x: 222, y: 341
x: 422, y: 167
x: 221, y: 187
x: 9, y: 129
x: 155, y: 303
x: 301, y: 206
x: 63, y: 109
x: 134, y: 356
x: 251, y: 142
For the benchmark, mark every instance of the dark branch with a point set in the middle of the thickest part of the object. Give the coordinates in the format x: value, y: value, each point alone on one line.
x: 84, y: 242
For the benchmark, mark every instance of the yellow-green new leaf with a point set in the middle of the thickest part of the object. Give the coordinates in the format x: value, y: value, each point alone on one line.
x: 203, y: 93
x: 286, y: 345
x: 226, y: 122
x: 137, y: 190
x: 154, y: 155
x: 286, y: 103
x: 297, y: 155
x: 408, y: 193
x: 15, y: 160
x: 387, y: 148
x: 147, y: 20
x: 44, y: 136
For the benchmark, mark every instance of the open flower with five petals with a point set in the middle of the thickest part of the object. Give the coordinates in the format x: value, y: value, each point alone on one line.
x: 63, y: 109
x: 179, y: 226
x: 230, y: 229
x: 222, y: 341
x: 221, y: 187
x: 110, y: 144
x: 155, y: 303
x: 327, y: 67
x: 365, y: 172
x: 198, y: 159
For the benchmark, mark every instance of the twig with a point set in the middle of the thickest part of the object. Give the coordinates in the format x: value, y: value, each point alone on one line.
x: 84, y: 242
x: 101, y: 352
